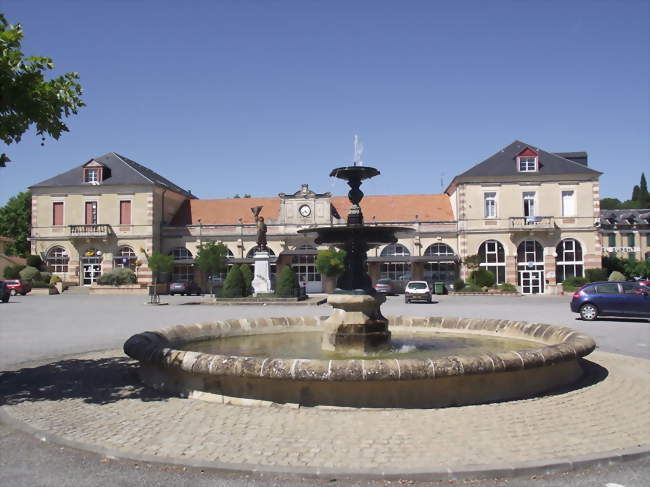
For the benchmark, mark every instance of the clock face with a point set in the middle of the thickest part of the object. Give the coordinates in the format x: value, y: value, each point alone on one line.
x: 305, y: 210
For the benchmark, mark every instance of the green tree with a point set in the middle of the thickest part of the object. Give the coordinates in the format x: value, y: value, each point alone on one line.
x: 26, y: 97
x: 233, y: 287
x: 212, y: 258
x: 247, y: 274
x: 15, y: 222
x: 472, y: 261
x: 482, y: 278
x: 610, y: 204
x: 287, y: 283
x: 331, y: 262
x: 35, y: 261
x: 158, y: 262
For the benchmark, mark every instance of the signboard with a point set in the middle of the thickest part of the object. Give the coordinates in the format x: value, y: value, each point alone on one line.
x: 550, y: 275
x: 622, y: 249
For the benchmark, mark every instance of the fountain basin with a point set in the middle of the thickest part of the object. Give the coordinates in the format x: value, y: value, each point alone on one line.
x: 382, y: 383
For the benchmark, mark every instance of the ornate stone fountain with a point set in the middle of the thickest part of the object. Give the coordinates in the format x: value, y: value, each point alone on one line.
x: 357, y: 323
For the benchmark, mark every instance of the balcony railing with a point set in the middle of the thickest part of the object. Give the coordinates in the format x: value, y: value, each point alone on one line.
x: 90, y: 231
x: 532, y: 223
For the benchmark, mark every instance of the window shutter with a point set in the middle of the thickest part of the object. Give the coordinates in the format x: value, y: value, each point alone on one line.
x: 57, y: 213
x: 125, y: 213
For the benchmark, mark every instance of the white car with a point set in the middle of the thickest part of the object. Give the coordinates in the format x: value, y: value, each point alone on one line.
x: 417, y: 291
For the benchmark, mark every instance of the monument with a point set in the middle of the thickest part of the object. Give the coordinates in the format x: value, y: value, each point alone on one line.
x: 262, y: 276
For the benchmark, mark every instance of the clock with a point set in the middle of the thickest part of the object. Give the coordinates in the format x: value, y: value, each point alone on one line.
x: 305, y: 210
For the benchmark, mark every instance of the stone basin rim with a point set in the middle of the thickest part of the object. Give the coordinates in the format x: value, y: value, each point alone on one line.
x: 557, y: 344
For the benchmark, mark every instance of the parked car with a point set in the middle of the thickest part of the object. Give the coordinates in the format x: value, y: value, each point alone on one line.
x: 18, y: 287
x: 4, y: 292
x: 417, y: 291
x: 612, y: 298
x: 386, y: 286
x: 184, y: 287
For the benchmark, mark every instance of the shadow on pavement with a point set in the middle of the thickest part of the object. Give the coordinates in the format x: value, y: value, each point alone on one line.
x: 98, y: 381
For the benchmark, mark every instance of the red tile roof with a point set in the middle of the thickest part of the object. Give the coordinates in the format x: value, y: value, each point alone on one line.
x: 386, y: 208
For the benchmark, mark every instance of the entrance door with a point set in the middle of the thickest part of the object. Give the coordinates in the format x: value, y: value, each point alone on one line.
x: 532, y: 282
x: 92, y: 269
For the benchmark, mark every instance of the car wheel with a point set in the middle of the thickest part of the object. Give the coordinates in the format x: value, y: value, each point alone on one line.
x: 171, y: 294
x: 588, y: 312
x: 23, y: 294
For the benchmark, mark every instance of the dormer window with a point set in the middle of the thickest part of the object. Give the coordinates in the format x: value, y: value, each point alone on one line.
x: 527, y: 161
x: 92, y: 175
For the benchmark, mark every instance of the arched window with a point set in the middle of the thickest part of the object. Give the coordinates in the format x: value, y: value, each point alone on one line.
x: 569, y: 261
x: 395, y: 250
x: 493, y: 259
x: 438, y: 249
x: 57, y: 260
x: 530, y: 253
x: 181, y: 253
x: 125, y: 258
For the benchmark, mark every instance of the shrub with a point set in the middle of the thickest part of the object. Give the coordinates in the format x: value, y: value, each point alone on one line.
x: 40, y: 285
x: 34, y: 261
x: 233, y: 287
x: 287, y: 283
x: 54, y: 280
x: 573, y: 283
x: 506, y: 287
x: 595, y: 275
x: 459, y: 284
x: 30, y: 273
x: 482, y: 278
x: 247, y: 274
x: 46, y: 276
x: 11, y: 272
x: 472, y: 288
x: 117, y: 277
x: 616, y: 276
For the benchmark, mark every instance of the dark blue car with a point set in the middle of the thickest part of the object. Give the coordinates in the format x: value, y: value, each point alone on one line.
x: 612, y: 298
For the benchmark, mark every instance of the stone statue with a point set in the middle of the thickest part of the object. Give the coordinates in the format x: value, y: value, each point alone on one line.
x: 261, y: 228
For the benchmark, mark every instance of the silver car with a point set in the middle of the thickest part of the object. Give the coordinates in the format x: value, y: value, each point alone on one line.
x: 417, y: 291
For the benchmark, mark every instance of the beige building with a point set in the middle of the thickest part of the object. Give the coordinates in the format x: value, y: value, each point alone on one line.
x: 626, y: 233
x: 531, y: 215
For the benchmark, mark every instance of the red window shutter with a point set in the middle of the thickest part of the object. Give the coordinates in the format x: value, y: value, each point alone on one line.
x: 57, y: 213
x: 125, y: 212
x: 89, y: 213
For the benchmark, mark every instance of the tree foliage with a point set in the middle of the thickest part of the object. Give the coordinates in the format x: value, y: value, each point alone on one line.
x: 482, y: 278
x: 287, y: 284
x: 331, y: 262
x: 233, y: 287
x: 15, y: 222
x: 212, y: 258
x: 247, y: 274
x: 472, y: 261
x: 640, y: 198
x: 26, y: 97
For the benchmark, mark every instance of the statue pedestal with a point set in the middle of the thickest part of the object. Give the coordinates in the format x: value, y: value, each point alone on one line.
x: 356, y: 323
x: 262, y: 277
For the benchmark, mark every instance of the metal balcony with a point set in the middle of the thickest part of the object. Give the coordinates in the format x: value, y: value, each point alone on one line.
x: 90, y: 231
x: 532, y: 223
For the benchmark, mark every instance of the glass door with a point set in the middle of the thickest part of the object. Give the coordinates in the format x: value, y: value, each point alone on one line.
x: 92, y: 269
x: 532, y: 282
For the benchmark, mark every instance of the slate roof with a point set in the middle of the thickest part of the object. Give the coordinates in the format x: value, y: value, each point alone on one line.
x: 625, y: 217
x: 503, y: 165
x: 123, y: 171
x: 386, y: 208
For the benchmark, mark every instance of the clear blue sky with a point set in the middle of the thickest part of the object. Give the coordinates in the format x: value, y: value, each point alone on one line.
x: 226, y: 97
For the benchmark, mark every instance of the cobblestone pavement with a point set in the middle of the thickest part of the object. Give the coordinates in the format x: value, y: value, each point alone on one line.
x: 95, y: 399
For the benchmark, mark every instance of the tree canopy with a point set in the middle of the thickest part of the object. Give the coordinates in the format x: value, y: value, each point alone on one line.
x: 26, y: 97
x: 640, y: 198
x: 211, y: 258
x: 15, y: 222
x: 331, y: 262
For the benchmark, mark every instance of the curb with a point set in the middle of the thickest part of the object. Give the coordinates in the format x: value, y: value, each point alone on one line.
x: 454, y: 472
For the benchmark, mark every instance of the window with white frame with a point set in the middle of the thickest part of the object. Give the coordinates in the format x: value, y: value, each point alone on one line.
x: 529, y: 204
x: 490, y: 200
x: 569, y: 261
x: 527, y: 164
x: 180, y: 253
x: 57, y: 260
x: 568, y: 203
x: 493, y: 259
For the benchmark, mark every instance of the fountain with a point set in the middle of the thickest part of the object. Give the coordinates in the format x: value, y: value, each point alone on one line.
x: 356, y: 357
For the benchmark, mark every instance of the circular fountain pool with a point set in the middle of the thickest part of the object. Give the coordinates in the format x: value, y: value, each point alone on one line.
x: 497, y: 360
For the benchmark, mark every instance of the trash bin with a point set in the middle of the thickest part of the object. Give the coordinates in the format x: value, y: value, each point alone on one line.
x: 439, y: 288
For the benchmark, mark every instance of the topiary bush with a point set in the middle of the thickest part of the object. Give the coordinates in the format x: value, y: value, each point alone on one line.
x: 117, y: 277
x: 595, y: 275
x: 46, y: 276
x: 40, y: 285
x: 247, y: 274
x: 30, y: 273
x: 54, y: 280
x: 482, y: 278
x: 459, y: 284
x: 287, y: 283
x: 233, y: 287
x: 616, y: 276
x: 34, y: 261
x: 472, y: 288
x: 507, y: 287
x: 11, y: 272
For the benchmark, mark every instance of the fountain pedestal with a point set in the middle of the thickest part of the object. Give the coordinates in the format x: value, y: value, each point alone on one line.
x: 356, y: 324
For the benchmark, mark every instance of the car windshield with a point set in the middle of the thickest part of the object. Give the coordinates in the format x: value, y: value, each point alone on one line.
x: 418, y: 285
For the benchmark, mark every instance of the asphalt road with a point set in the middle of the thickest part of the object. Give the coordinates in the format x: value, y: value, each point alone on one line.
x: 36, y: 328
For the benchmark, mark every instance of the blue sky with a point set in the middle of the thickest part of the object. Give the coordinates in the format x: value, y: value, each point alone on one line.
x: 226, y: 97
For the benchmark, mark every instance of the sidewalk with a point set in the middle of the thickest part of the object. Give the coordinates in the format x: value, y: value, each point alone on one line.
x: 94, y: 402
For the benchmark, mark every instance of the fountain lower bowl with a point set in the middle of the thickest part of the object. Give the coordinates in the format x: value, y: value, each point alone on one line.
x: 379, y: 383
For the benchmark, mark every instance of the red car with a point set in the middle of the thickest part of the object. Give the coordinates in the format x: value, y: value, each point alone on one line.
x: 18, y: 287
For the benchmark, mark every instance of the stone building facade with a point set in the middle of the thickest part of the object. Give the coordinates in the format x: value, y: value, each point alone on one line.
x: 531, y: 215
